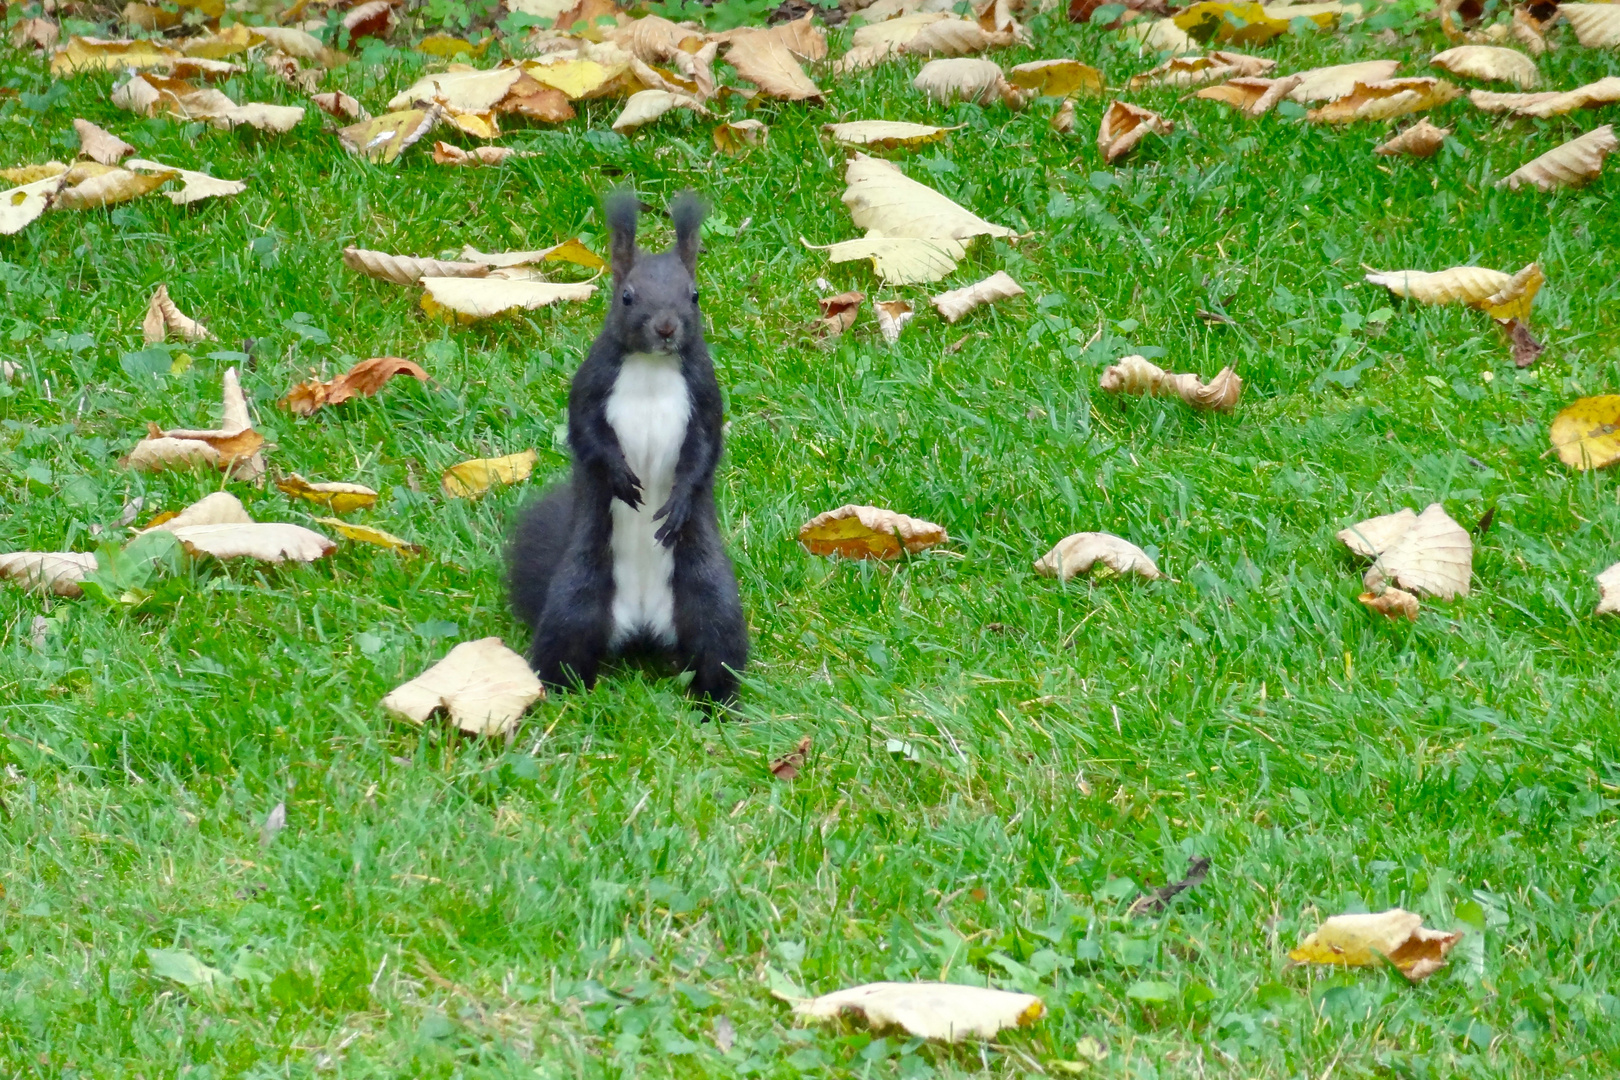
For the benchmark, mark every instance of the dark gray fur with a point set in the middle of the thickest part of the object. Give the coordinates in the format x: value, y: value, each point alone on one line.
x: 559, y: 561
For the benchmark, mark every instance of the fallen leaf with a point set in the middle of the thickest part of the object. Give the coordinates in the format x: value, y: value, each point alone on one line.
x: 38, y: 34
x: 1159, y: 899
x: 178, y: 965
x: 838, y: 313
x: 1395, y: 603
x: 151, y: 94
x: 578, y: 79
x: 1056, y: 78
x: 473, y: 478
x: 898, y: 260
x: 1568, y: 164
x: 448, y: 47
x: 1434, y: 557
x: 1421, y: 140
x: 1124, y: 125
x: 1609, y: 591
x: 215, y: 508
x: 1489, y: 63
x: 109, y: 188
x: 364, y: 379
x: 1526, y: 349
x: 1079, y: 552
x: 738, y: 135
x: 537, y: 101
x: 373, y: 19
x: 82, y: 54
x: 1503, y: 295
x: 964, y: 79
x: 1161, y: 36
x: 484, y: 125
x: 1358, y: 940
x: 958, y: 302
x: 766, y: 60
x: 1188, y: 71
x: 301, y: 44
x: 1062, y: 121
x: 868, y: 532
x: 788, y: 765
x: 338, y: 497
x: 274, y: 822
x: 887, y: 203
x: 1137, y: 375
x: 1586, y: 433
x: 917, y: 33
x: 569, y: 251
x: 1243, y: 21
x: 164, y: 318
x: 466, y: 89
x: 31, y: 174
x: 1337, y: 80
x: 1605, y: 91
x: 892, y: 316
x: 885, y: 134
x: 648, y: 105
x: 407, y: 269
x: 195, y: 186
x: 340, y: 105
x: 654, y: 39
x: 100, y: 145
x: 482, y: 298
x: 234, y: 447
x: 484, y: 686
x: 949, y: 1012
x: 1596, y: 26
x: 445, y: 154
x: 58, y: 572
x: 1382, y: 100
x: 1368, y: 538
x: 268, y: 541
x: 383, y: 138
x: 1252, y: 96
x: 22, y: 205
x: 365, y: 534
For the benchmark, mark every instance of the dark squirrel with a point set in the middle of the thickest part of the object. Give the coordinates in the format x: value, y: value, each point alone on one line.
x: 627, y: 556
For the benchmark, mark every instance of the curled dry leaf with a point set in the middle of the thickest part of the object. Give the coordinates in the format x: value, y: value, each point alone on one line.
x: 100, y: 145
x: 483, y: 686
x: 108, y: 188
x: 948, y: 1012
x: 1079, y: 552
x: 301, y: 44
x: 892, y: 316
x: 1188, y: 71
x: 1421, y: 140
x: 1124, y: 125
x: 445, y: 154
x: 84, y: 54
x: 268, y: 541
x: 885, y: 134
x: 1156, y: 900
x: 340, y: 105
x: 918, y: 33
x: 1337, y: 80
x: 373, y: 19
x: 163, y: 318
x: 215, y: 508
x: 868, y: 532
x: 24, y: 204
x: 362, y: 380
x: 1434, y: 557
x: 1394, y: 603
x: 1137, y: 375
x: 1596, y: 26
x: 1382, y: 100
x: 483, y: 298
x: 1056, y: 78
x: 569, y: 251
x: 1503, y: 296
x: 1605, y: 91
x: 736, y: 136
x: 958, y: 302
x: 1609, y: 591
x: 963, y: 79
x: 838, y: 313
x: 340, y: 498
x: 195, y: 186
x: 1586, y: 433
x: 1526, y: 349
x: 1358, y: 941
x: 1490, y: 63
x: 1252, y: 96
x: 1062, y: 121
x: 648, y: 105
x: 152, y: 94
x: 57, y: 572
x: 406, y: 269
x: 1574, y: 162
x: 788, y: 765
x: 472, y: 478
x: 383, y: 138
x: 234, y: 447
x: 365, y: 534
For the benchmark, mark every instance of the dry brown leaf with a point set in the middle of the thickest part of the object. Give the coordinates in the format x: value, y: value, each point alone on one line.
x: 384, y: 138
x: 1337, y: 80
x: 1596, y: 26
x: 1490, y: 63
x: 1368, y: 538
x: 234, y: 447
x: 1586, y: 433
x: 1609, y: 591
x: 340, y: 105
x: 472, y: 478
x: 151, y: 94
x: 964, y: 79
x: 788, y: 765
x: 1079, y: 552
x: 373, y: 19
x: 483, y: 298
x: 1435, y: 557
x: 1358, y: 941
x: 1526, y: 349
x: 738, y: 135
x: 1575, y: 162
x: 23, y: 204
x: 654, y: 39
x: 838, y: 313
x: 1421, y: 140
x: 37, y: 34
x: 57, y: 572
x: 648, y: 105
x: 898, y: 260
x: 1137, y: 375
x: 100, y: 145
x: 1393, y: 603
x: 537, y: 102
x: 484, y: 687
x: 1382, y: 100
x: 108, y: 189
x: 892, y: 316
x: 1124, y: 125
x: 1188, y: 71
x: 367, y: 534
x: 885, y: 134
x: 362, y: 380
x: 868, y: 532
x: 1062, y: 121
x: 340, y: 498
x: 164, y: 318
x: 407, y: 269
x: 887, y: 203
x: 445, y: 154
x: 215, y: 508
x: 949, y: 1012
x: 766, y: 61
x: 268, y: 541
x: 1605, y: 91
x: 958, y: 302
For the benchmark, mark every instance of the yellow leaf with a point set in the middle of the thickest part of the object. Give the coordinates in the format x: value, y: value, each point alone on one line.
x: 1586, y: 434
x: 1382, y: 100
x: 478, y: 125
x: 898, y: 260
x: 110, y: 188
x: 483, y: 686
x: 463, y: 89
x: 868, y: 532
x: 1568, y: 164
x: 886, y: 134
x: 473, y: 478
x: 578, y: 79
x: 1459, y: 284
x: 1513, y: 300
x: 340, y: 498
x: 1225, y: 20
x: 1358, y: 940
x: 886, y: 202
x: 949, y: 1012
x: 446, y: 46
x: 365, y: 534
x: 384, y: 138
x: 32, y: 174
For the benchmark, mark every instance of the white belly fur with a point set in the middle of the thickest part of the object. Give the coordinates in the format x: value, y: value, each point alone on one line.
x: 648, y: 410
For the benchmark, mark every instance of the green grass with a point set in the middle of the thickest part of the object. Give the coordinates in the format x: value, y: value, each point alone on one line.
x: 601, y: 895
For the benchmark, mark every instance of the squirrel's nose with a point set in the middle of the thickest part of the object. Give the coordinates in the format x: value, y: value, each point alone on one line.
x: 666, y: 327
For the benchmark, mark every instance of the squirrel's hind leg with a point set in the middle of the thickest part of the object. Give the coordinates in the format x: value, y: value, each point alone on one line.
x: 539, y: 541
x: 574, y: 632
x: 711, y: 636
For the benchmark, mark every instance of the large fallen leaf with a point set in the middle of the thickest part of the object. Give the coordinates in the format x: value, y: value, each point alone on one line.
x: 1575, y: 162
x: 766, y: 60
x: 648, y: 105
x: 569, y: 251
x: 654, y: 39
x: 366, y: 534
x: 1253, y: 96
x: 958, y: 302
x: 1190, y: 71
x: 1138, y: 375
x: 735, y: 136
x: 23, y: 204
x: 163, y: 318
x: 1605, y: 91
x: 1586, y: 433
x: 1597, y: 26
x: 58, y: 572
x: 109, y: 188
x: 483, y: 686
x: 407, y: 269
x: 1359, y: 940
x: 482, y: 298
x: 1369, y: 538
x: 267, y: 541
x: 868, y: 532
x: 340, y: 498
x: 234, y: 447
x: 195, y: 186
x: 473, y: 478
x: 945, y: 1011
x: 383, y: 138
x: 1056, y: 78
x: 151, y: 94
x: 1392, y: 603
x: 215, y: 508
x: 1243, y: 21
x: 466, y: 89
x: 964, y: 79
x: 83, y: 54
x: 892, y: 316
x: 1489, y: 63
x: 1434, y: 557
x: 362, y: 380
x: 1124, y: 125
x: 1079, y: 552
x: 301, y: 44
x: 802, y: 36
x: 1609, y: 591
x: 885, y: 134
x: 1337, y: 80
x: 578, y: 78
x: 1421, y: 140
x: 1382, y: 100
x: 886, y: 202
x: 32, y: 174
x: 101, y: 145
x: 898, y: 260
x: 838, y: 313
x: 1503, y: 296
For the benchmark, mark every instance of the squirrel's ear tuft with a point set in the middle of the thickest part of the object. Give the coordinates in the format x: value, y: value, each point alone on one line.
x: 622, y: 206
x: 688, y: 211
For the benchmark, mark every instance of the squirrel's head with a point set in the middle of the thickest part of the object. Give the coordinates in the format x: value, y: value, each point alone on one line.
x: 654, y: 307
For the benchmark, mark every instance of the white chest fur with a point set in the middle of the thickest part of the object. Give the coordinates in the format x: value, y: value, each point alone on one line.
x: 648, y: 410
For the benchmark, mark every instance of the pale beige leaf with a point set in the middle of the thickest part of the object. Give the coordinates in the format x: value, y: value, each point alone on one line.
x: 57, y: 572
x: 1328, y: 83
x: 1382, y: 100
x: 1368, y: 538
x: 109, y: 188
x: 465, y: 90
x: 1137, y: 375
x: 163, y: 318
x: 569, y: 251
x: 100, y: 145
x: 1162, y: 36
x: 898, y: 260
x: 1062, y: 121
x: 801, y: 36
x: 216, y: 508
x: 1609, y: 591
x: 868, y: 532
x: 1490, y: 63
x: 945, y: 1011
x: 1393, y: 603
x: 1188, y: 71
x: 445, y: 154
x: 1459, y: 284
x: 195, y: 186
x: 1124, y: 125
x: 407, y: 270
x: 36, y: 33
x: 1569, y: 164
x: 301, y: 44
x: 1421, y: 140
x: 483, y: 686
x: 1605, y: 91
x: 1596, y: 26
x: 648, y: 105
x: 1435, y: 557
x: 470, y: 478
x: 1254, y: 96
x: 1358, y: 941
x: 271, y: 542
x: 885, y: 134
x: 481, y: 298
x: 962, y: 79
x: 233, y: 447
x: 21, y: 205
x: 951, y: 36
x: 892, y: 316
x: 958, y: 302
x: 1079, y: 552
x: 886, y: 202
x: 655, y: 39
x: 340, y: 105
x: 765, y: 60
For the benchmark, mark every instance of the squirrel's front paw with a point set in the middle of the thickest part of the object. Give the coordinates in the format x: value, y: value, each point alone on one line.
x: 626, y: 486
x: 674, y: 514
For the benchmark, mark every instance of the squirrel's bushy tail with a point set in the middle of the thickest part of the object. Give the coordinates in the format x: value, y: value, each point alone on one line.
x: 539, y: 539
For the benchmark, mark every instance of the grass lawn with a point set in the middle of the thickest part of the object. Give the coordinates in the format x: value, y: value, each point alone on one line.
x: 603, y: 895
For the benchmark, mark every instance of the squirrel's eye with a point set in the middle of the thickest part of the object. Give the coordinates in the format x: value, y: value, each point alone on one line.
x: 694, y: 294
x: 627, y: 296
